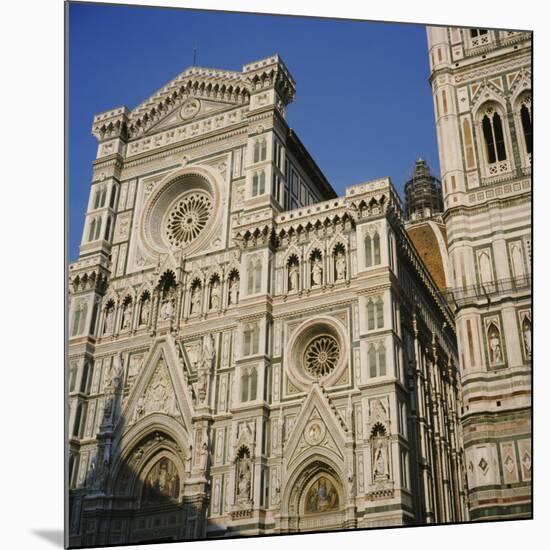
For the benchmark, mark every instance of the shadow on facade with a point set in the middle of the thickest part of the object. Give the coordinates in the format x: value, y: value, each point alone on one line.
x: 139, y: 486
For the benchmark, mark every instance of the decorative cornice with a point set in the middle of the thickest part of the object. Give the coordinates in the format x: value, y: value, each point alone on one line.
x: 197, y: 82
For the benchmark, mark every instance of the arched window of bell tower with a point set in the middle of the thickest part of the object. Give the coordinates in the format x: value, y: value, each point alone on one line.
x: 524, y: 124
x: 493, y: 135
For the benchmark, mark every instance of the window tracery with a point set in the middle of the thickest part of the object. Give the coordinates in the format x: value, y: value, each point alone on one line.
x: 321, y: 356
x: 188, y: 218
x: 249, y: 384
x: 251, y: 334
x: 372, y: 249
x: 376, y: 358
x: 527, y: 123
x: 254, y: 275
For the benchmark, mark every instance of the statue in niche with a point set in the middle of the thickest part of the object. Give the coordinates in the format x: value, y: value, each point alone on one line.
x: 321, y: 496
x: 109, y: 320
x: 340, y: 266
x: 293, y: 277
x: 196, y: 300
x: 204, y: 455
x: 215, y: 295
x: 233, y: 291
x: 244, y: 476
x: 495, y: 352
x: 380, y: 460
x: 167, y: 308
x: 526, y: 331
x: 144, y: 313
x: 126, y: 316
x: 317, y: 273
x: 188, y: 459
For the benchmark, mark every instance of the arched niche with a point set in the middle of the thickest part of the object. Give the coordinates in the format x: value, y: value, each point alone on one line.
x: 316, y: 497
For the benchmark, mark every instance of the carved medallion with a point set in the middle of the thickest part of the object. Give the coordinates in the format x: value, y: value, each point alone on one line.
x: 314, y: 432
x: 190, y: 108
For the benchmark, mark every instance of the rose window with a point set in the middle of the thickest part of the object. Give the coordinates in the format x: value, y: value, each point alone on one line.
x: 188, y: 218
x: 321, y: 356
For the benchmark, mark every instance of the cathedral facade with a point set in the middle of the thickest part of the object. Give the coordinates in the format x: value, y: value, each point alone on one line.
x: 481, y: 82
x: 248, y: 352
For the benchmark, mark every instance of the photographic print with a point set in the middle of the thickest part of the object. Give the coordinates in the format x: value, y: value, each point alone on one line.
x: 299, y: 280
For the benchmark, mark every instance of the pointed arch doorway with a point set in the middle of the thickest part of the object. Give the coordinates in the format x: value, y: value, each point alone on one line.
x: 317, y: 499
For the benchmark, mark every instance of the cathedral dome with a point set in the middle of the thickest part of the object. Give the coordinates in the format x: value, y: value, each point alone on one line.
x: 430, y: 241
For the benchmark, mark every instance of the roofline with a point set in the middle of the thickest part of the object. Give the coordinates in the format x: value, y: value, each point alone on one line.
x: 310, y: 163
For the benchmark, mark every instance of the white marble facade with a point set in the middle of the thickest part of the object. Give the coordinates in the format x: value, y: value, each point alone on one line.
x: 481, y: 83
x: 250, y: 353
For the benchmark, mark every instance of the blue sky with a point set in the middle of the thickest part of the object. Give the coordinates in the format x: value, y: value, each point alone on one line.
x: 363, y: 105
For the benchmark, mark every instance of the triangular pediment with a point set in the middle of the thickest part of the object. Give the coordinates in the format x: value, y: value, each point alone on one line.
x: 195, y: 93
x: 193, y: 109
x: 160, y: 387
x: 319, y: 428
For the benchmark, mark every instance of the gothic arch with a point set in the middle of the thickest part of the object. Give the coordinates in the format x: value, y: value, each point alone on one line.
x: 523, y: 119
x: 315, y: 243
x: 292, y: 250
x: 194, y: 277
x: 494, y: 146
x: 163, y: 349
x: 335, y: 242
x: 142, y: 431
x: 143, y: 288
x: 166, y: 279
x: 487, y: 95
x: 300, y: 481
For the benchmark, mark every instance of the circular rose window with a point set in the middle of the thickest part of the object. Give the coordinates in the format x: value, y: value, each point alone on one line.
x: 321, y: 356
x: 181, y: 212
x: 188, y: 217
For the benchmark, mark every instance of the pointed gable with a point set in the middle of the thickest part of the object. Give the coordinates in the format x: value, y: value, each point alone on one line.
x: 160, y: 387
x: 194, y: 93
x: 319, y: 427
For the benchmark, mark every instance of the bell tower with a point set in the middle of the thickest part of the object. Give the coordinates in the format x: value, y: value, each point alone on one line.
x: 481, y: 84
